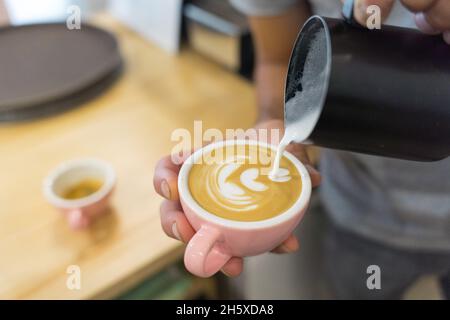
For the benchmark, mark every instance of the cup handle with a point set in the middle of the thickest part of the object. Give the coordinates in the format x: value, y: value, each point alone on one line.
x: 203, y: 257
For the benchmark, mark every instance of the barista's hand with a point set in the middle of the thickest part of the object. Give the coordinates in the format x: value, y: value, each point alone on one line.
x: 173, y: 220
x: 432, y: 16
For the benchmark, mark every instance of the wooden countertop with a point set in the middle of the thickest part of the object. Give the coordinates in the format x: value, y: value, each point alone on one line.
x: 129, y: 126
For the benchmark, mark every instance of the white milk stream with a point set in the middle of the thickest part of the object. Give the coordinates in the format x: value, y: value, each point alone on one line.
x: 303, y: 110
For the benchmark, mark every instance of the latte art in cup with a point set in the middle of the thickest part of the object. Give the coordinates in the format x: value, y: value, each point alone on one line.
x: 238, y: 187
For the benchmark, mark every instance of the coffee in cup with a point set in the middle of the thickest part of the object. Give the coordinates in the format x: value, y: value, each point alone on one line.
x: 238, y: 186
x: 80, y: 189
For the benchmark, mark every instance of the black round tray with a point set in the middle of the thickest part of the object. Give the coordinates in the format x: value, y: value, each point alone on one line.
x: 47, y: 68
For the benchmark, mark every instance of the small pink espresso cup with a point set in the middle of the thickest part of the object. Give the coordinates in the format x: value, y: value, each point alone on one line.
x: 80, y: 212
x: 217, y: 239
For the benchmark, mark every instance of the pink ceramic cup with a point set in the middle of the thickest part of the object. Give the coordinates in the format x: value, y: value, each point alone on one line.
x: 80, y: 212
x: 217, y: 239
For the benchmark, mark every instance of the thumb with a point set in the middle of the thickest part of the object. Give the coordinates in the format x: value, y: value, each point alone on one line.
x: 361, y: 12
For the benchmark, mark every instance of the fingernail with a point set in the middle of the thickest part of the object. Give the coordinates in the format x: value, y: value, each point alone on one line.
x: 361, y: 7
x: 175, y: 231
x: 223, y: 271
x: 311, y: 169
x: 360, y: 11
x: 423, y: 24
x: 287, y: 249
x: 165, y: 189
x: 447, y: 36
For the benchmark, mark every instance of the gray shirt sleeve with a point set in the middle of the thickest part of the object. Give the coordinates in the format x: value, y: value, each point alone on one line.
x: 262, y: 7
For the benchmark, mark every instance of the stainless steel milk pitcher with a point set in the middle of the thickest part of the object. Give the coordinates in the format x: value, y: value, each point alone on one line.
x: 382, y: 92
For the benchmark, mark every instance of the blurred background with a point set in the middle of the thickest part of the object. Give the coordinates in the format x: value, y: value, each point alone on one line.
x: 179, y: 61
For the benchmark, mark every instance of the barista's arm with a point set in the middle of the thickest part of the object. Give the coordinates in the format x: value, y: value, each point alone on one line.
x: 274, y: 37
x: 3, y: 14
